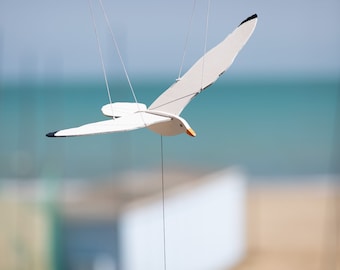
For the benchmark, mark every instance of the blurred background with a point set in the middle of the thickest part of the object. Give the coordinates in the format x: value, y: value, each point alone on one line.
x: 275, y: 114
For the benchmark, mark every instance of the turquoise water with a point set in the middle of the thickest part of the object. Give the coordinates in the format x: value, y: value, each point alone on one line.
x: 271, y: 127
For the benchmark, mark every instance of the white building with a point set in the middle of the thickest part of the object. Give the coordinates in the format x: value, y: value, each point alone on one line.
x: 204, y: 222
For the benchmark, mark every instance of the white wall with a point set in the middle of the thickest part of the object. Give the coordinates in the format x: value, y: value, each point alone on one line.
x: 205, y: 228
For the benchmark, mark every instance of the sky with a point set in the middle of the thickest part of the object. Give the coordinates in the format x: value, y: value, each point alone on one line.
x: 45, y: 38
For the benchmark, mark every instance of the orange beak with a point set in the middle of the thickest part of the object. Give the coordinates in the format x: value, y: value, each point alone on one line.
x: 191, y: 132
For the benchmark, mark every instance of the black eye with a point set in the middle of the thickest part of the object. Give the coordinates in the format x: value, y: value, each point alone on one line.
x: 180, y: 125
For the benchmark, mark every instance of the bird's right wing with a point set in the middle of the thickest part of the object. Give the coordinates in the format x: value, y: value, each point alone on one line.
x: 206, y: 70
x: 129, y: 122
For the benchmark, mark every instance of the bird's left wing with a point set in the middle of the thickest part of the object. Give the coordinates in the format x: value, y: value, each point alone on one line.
x: 206, y: 70
x: 129, y: 122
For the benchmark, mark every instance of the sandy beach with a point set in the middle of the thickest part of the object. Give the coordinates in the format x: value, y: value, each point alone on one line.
x: 292, y: 226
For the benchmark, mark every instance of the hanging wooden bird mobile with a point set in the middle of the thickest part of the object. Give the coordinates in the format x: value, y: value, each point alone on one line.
x: 163, y: 115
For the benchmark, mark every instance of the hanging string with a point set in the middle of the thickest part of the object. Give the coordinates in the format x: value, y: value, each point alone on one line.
x: 187, y: 39
x: 163, y: 204
x: 118, y: 51
x: 205, y: 40
x: 101, y: 56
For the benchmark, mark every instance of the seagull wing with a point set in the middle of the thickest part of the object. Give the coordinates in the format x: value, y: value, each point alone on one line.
x: 206, y: 70
x: 125, y: 123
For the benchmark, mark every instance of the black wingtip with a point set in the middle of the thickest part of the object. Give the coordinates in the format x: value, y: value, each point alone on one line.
x: 254, y: 16
x: 51, y: 134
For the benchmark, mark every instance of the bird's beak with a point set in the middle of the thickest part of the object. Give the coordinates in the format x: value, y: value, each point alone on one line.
x: 191, y: 132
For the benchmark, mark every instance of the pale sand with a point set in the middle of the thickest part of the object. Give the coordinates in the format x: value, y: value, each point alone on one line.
x: 291, y: 227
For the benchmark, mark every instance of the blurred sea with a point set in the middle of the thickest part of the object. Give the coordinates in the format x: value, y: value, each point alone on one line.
x: 267, y: 126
